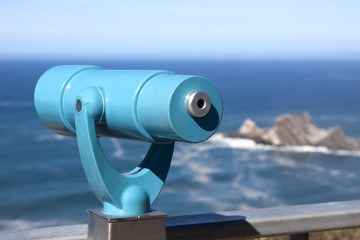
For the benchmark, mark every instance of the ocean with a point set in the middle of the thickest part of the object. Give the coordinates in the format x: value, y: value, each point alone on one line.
x: 42, y: 182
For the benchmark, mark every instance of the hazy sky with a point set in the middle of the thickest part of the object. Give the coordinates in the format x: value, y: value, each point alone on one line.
x: 180, y: 29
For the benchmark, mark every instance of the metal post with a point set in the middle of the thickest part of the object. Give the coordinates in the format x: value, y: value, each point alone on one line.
x: 149, y: 226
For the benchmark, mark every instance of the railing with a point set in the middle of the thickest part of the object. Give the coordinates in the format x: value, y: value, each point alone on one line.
x: 296, y: 221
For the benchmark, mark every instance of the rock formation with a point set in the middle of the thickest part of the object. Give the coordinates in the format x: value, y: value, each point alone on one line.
x: 291, y: 130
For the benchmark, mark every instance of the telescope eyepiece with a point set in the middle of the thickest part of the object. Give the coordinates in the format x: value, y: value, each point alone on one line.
x: 197, y: 103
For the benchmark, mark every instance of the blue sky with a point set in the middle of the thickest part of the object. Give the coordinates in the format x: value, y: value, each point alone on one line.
x: 180, y: 29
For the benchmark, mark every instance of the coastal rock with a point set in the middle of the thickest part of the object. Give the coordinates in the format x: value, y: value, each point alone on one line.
x: 336, y: 139
x: 298, y: 130
x: 249, y: 129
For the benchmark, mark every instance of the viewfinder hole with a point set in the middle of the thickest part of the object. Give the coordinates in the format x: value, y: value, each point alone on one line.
x: 201, y: 103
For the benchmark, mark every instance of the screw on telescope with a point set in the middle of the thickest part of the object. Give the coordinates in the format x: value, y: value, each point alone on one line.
x: 78, y: 105
x: 197, y: 103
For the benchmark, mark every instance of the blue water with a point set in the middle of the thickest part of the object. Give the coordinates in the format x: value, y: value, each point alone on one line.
x: 41, y: 178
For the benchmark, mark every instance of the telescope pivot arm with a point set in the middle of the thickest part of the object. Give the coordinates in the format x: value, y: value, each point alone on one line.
x: 126, y: 194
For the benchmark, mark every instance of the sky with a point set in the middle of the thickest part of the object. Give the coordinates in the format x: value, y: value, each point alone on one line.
x: 233, y: 29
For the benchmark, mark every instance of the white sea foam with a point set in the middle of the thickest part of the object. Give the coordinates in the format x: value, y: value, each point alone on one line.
x: 202, y: 174
x: 216, y: 203
x: 119, y: 151
x: 220, y: 140
x: 50, y: 136
x: 21, y: 224
x: 184, y: 156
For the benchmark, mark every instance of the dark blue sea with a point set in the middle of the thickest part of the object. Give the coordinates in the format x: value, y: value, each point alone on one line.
x: 42, y: 182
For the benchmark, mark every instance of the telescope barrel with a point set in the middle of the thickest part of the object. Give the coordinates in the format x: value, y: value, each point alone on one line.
x: 146, y: 105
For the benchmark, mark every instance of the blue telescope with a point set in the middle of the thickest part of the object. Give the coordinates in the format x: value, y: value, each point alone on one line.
x: 159, y: 107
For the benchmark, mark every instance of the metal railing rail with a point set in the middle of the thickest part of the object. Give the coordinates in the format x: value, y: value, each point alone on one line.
x: 296, y: 221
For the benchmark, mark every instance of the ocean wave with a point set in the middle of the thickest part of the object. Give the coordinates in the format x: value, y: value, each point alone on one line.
x: 22, y: 224
x: 220, y: 140
x: 16, y: 103
x: 50, y: 136
x: 118, y: 150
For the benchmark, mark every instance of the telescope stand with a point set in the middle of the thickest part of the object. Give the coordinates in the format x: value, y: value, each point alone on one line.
x: 159, y: 107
